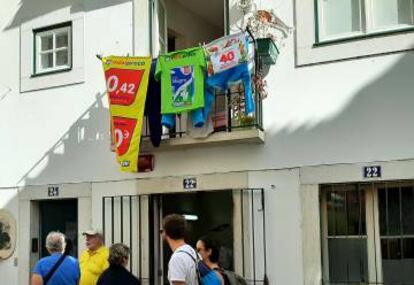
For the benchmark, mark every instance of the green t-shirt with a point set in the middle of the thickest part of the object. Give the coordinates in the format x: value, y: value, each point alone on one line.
x: 182, y: 80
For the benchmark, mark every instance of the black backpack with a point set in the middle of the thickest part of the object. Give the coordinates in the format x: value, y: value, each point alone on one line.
x: 231, y: 278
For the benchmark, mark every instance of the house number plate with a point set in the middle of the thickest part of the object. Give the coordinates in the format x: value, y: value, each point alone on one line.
x: 372, y: 172
x: 53, y: 191
x: 190, y: 183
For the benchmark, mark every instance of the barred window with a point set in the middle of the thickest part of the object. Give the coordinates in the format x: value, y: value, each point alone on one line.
x: 368, y: 233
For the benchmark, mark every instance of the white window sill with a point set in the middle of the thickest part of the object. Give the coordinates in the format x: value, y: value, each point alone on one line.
x: 364, y: 36
x: 52, y: 71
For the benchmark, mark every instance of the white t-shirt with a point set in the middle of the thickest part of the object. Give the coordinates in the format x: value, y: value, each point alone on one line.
x: 181, y: 267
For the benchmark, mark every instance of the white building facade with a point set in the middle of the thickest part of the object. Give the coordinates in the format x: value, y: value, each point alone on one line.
x: 321, y: 193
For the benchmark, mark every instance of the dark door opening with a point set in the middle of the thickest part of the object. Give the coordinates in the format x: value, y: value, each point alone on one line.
x: 207, y: 213
x: 62, y: 216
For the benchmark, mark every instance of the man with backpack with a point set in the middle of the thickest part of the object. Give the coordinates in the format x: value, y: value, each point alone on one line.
x: 182, y: 266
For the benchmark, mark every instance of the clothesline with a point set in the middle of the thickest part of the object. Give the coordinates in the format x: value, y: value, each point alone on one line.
x: 182, y: 81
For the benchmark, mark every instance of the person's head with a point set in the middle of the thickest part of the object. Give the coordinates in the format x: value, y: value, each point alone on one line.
x: 174, y: 227
x: 55, y: 242
x: 118, y: 255
x: 93, y: 239
x: 208, y: 249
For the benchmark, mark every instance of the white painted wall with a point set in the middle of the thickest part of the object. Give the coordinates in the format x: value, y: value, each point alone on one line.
x: 350, y: 111
x: 35, y: 124
x: 48, y: 129
x: 283, y: 224
x: 8, y: 268
x: 344, y: 112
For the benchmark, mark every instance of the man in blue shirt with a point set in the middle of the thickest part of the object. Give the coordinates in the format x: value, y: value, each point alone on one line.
x: 67, y: 273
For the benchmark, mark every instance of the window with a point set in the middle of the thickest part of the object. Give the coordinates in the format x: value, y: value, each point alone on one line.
x: 396, y: 215
x: 346, y: 235
x: 348, y: 18
x: 368, y: 233
x: 52, y: 49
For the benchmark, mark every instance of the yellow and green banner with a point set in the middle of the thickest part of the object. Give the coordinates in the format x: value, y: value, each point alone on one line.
x: 127, y: 84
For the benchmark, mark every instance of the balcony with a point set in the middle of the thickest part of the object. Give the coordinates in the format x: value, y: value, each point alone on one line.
x: 229, y: 122
x: 229, y: 125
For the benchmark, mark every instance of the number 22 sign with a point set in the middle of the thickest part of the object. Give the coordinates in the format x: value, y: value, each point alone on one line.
x: 372, y: 172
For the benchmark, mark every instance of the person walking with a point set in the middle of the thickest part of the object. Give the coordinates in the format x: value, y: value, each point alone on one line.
x: 210, y: 254
x: 93, y: 260
x: 182, y: 265
x: 117, y: 272
x: 209, y: 251
x: 58, y: 268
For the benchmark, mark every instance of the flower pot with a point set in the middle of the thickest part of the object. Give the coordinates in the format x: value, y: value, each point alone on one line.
x: 267, y: 51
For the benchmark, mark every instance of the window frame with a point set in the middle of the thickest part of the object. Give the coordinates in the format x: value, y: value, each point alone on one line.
x: 52, y: 30
x: 309, y: 53
x: 367, y: 26
x: 373, y: 234
x: 325, y: 235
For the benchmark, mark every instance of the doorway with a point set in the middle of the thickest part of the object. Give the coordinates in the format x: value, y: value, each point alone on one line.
x: 236, y: 218
x: 62, y: 216
x: 207, y: 213
x: 189, y: 23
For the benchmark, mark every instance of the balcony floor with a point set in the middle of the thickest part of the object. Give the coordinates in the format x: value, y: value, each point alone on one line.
x: 248, y: 136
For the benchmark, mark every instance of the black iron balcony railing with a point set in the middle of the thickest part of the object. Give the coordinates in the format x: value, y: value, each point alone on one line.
x: 227, y: 115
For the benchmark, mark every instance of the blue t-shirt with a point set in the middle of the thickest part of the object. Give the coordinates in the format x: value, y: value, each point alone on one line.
x: 68, y: 272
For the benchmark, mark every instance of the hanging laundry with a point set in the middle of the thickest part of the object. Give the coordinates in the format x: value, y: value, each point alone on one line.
x: 153, y: 107
x: 226, y: 52
x: 224, y: 80
x: 182, y: 84
x: 199, y: 132
x: 228, y: 61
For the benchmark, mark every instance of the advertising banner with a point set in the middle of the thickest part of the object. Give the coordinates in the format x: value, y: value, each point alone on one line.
x: 127, y: 84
